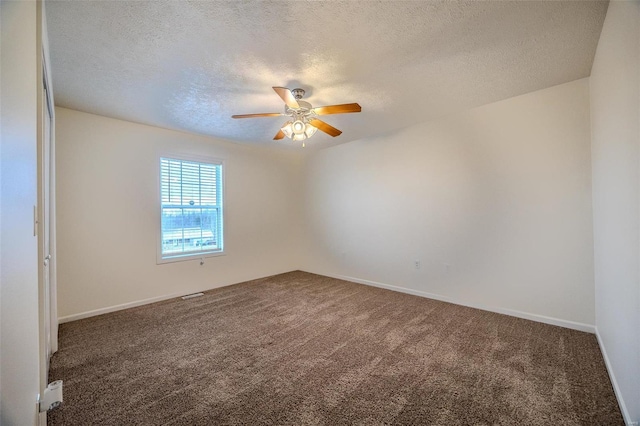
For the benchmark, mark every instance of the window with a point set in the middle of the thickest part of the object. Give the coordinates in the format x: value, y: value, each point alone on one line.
x: 191, y: 209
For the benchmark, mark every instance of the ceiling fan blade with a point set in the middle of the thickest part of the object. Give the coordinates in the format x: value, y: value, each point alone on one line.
x: 327, y: 128
x: 287, y: 97
x: 279, y: 135
x: 265, y: 114
x: 337, y: 109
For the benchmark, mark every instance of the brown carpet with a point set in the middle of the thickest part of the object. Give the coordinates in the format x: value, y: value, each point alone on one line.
x: 303, y: 349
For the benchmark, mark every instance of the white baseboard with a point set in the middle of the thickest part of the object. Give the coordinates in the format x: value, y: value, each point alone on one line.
x: 115, y: 308
x: 616, y: 389
x: 137, y: 303
x: 525, y: 315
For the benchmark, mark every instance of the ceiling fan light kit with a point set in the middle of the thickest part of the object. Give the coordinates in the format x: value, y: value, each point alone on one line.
x: 303, y: 123
x: 298, y: 127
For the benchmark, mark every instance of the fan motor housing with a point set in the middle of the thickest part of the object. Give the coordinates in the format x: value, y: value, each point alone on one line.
x: 305, y: 108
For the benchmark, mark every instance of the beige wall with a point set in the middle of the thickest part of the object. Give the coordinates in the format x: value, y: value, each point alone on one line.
x: 19, y: 324
x: 615, y: 118
x: 108, y: 213
x: 494, y: 202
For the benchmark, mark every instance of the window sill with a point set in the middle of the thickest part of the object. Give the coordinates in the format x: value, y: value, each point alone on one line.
x: 185, y: 257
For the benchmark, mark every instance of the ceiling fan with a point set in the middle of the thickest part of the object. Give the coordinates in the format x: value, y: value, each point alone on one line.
x: 303, y: 121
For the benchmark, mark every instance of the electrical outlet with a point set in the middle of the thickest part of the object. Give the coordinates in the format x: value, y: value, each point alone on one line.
x: 417, y: 263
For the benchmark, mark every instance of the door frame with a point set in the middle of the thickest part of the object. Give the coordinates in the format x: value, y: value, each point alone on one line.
x: 46, y: 206
x: 47, y: 295
x: 53, y: 317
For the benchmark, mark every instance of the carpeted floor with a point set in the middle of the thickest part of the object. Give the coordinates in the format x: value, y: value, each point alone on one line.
x: 303, y: 349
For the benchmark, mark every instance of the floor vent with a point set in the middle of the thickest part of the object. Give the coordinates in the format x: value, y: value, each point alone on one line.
x: 191, y: 296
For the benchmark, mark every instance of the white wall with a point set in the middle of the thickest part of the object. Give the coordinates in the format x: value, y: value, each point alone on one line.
x: 19, y: 325
x: 615, y: 121
x: 108, y: 213
x: 500, y: 193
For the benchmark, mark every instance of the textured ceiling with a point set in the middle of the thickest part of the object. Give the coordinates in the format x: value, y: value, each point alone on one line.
x: 191, y: 65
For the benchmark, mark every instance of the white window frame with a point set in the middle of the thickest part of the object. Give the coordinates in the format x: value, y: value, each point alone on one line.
x: 170, y: 258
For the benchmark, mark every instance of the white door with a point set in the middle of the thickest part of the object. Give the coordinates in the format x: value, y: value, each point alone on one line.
x: 46, y: 222
x: 45, y: 219
x: 46, y: 229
